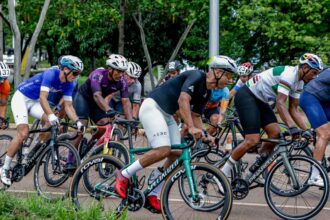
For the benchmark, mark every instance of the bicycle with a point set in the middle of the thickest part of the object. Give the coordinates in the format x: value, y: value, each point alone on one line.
x: 52, y: 149
x: 204, y: 188
x: 286, y: 181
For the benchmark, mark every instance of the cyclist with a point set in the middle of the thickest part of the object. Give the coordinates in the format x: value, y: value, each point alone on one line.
x: 190, y: 88
x: 245, y: 73
x: 132, y: 74
x: 173, y: 70
x: 90, y: 100
x: 255, y: 100
x: 315, y: 102
x: 4, y: 92
x: 31, y: 98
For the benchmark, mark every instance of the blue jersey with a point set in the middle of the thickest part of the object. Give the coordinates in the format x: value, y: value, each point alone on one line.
x: 47, y: 81
x: 320, y: 86
x: 216, y: 96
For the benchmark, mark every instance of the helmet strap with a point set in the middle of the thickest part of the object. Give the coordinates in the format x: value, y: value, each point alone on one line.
x: 111, y: 73
x: 66, y: 75
x: 217, y: 79
x: 305, y: 73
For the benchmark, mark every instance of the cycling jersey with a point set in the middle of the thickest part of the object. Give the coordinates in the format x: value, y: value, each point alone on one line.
x: 320, y: 86
x: 283, y: 79
x: 134, y: 93
x: 192, y: 82
x: 216, y: 96
x: 4, y: 89
x: 98, y: 81
x: 238, y: 85
x: 47, y: 81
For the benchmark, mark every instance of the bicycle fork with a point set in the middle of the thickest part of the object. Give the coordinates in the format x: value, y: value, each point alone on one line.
x: 290, y: 170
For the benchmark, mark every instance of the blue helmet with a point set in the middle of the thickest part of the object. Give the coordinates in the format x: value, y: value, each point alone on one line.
x: 311, y: 60
x: 71, y: 62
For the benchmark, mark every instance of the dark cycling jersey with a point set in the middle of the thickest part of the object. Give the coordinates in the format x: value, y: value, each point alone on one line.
x: 47, y: 81
x: 192, y: 82
x: 320, y: 86
x: 98, y: 81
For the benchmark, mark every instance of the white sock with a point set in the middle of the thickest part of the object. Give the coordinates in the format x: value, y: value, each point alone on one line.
x: 157, y: 190
x: 8, y: 160
x: 227, y: 168
x: 315, y: 171
x: 132, y: 169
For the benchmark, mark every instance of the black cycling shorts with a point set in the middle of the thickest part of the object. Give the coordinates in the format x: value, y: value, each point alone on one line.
x: 253, y: 113
x: 86, y: 108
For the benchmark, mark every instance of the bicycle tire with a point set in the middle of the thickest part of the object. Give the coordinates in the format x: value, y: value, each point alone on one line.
x: 119, y: 151
x: 206, y: 212
x: 309, y: 191
x: 47, y: 178
x: 94, y: 197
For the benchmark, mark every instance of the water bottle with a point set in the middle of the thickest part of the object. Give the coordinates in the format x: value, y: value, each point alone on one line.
x: 258, y: 162
x: 154, y: 174
x: 25, y: 153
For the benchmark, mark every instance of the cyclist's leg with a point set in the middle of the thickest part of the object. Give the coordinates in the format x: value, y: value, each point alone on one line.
x: 37, y: 112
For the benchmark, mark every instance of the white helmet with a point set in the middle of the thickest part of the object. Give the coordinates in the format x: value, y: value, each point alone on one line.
x: 4, y: 71
x: 117, y: 62
x: 71, y: 62
x: 245, y: 69
x: 133, y: 70
x: 311, y: 60
x: 223, y: 62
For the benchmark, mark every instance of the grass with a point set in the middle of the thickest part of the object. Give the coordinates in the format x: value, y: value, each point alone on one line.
x: 34, y: 207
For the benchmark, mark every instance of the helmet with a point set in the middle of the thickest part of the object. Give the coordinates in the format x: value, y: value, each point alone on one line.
x: 134, y: 70
x: 245, y: 69
x: 71, y: 62
x: 174, y: 65
x: 117, y: 62
x: 311, y: 60
x: 223, y: 62
x: 4, y: 71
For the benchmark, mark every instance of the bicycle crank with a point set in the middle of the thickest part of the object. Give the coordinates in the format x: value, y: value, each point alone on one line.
x: 240, y: 188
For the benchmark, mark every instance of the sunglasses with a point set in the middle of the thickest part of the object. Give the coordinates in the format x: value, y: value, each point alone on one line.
x: 75, y: 73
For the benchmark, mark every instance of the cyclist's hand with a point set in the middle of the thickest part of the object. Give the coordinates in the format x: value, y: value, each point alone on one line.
x: 209, y: 140
x: 308, y: 135
x: 295, y: 132
x: 110, y: 113
x: 80, y: 126
x: 196, y: 132
x: 4, y: 123
x: 53, y: 120
x: 57, y: 109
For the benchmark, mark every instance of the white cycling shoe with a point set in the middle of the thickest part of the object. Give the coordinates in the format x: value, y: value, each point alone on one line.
x: 5, y: 176
x: 316, y: 181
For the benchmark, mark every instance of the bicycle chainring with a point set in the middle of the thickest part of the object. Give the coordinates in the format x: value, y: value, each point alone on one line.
x: 136, y: 200
x: 240, y: 188
x: 17, y: 173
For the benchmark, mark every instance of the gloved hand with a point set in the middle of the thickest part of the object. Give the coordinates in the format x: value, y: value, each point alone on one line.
x: 294, y: 131
x: 53, y: 120
x: 80, y: 126
x: 110, y: 113
x: 58, y: 108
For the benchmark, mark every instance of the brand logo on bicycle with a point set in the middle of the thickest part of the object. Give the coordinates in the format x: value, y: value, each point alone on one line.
x: 160, y: 134
x: 91, y: 163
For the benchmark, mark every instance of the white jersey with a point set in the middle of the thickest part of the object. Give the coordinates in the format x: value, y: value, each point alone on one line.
x: 283, y: 79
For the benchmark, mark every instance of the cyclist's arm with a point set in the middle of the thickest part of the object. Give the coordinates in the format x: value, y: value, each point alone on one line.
x: 71, y: 113
x: 136, y: 107
x: 184, y: 108
x: 127, y: 108
x: 282, y: 110
x: 197, y: 120
x: 232, y: 93
x: 295, y: 114
x: 223, y: 108
x: 100, y: 101
x: 44, y: 102
x: 3, y: 105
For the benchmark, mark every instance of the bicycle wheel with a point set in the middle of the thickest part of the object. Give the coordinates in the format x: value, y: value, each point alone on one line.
x: 116, y: 149
x: 99, y: 191
x: 205, y: 155
x: 4, y: 144
x: 215, y: 195
x: 52, y: 172
x: 302, y: 203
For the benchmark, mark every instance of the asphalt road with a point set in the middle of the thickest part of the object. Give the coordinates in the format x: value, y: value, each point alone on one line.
x: 254, y: 206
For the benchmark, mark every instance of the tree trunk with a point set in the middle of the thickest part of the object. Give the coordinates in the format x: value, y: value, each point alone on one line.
x: 178, y: 46
x: 145, y: 47
x: 34, y: 38
x: 17, y: 42
x: 121, y: 28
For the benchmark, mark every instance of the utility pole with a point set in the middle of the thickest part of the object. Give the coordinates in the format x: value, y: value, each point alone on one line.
x: 214, y: 28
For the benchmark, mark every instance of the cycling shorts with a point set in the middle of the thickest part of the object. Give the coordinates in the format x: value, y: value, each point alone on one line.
x: 87, y: 109
x: 23, y: 106
x: 318, y: 113
x: 253, y: 113
x: 161, y: 128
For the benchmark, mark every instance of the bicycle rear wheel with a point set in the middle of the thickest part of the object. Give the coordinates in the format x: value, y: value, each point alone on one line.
x: 52, y: 174
x: 4, y: 144
x: 291, y: 203
x: 214, y: 198
x: 99, y: 191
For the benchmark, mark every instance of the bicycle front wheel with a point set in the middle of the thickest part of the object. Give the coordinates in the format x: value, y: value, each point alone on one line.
x: 293, y: 203
x: 214, y: 194
x: 54, y: 169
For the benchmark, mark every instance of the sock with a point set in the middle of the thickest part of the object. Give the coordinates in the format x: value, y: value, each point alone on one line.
x: 8, y: 160
x: 157, y: 190
x: 226, y: 169
x: 315, y: 171
x: 132, y: 169
x: 70, y: 158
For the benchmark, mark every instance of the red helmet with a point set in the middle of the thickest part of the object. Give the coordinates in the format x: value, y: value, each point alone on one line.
x: 245, y: 69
